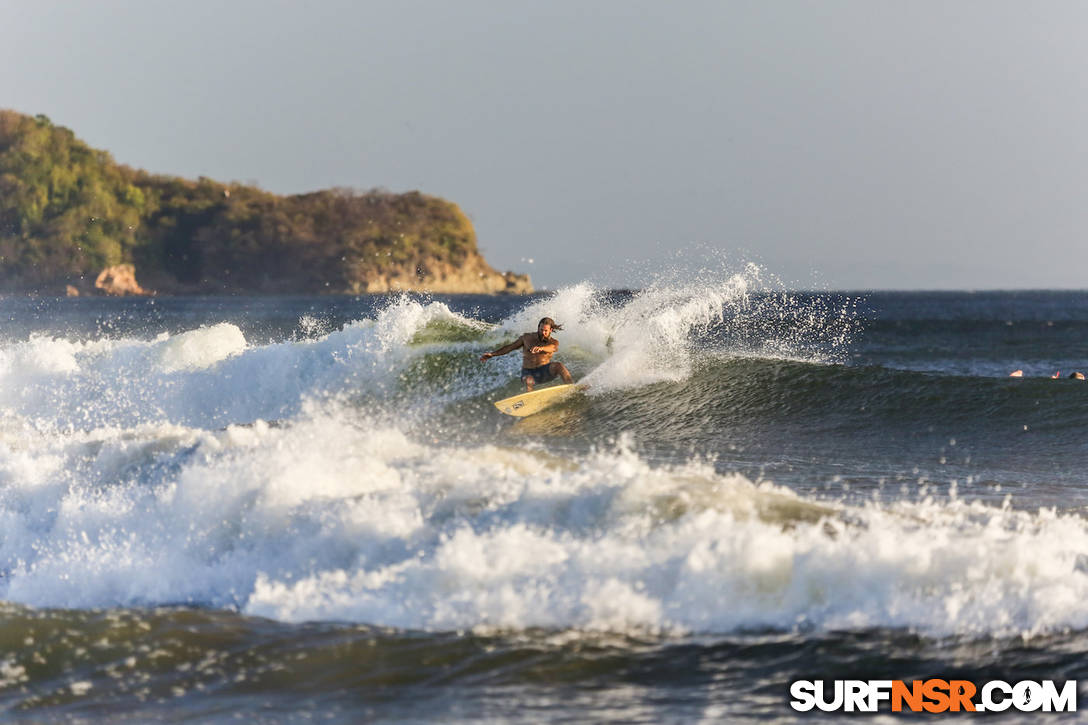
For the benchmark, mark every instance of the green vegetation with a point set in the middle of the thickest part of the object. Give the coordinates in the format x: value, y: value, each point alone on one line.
x: 67, y: 211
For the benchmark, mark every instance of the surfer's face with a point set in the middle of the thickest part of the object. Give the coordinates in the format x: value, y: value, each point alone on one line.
x: 544, y: 330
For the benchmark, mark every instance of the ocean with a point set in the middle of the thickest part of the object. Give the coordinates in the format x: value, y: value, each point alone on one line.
x: 307, y: 509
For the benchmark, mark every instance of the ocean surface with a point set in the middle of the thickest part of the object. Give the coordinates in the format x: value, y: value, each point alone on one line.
x: 307, y: 509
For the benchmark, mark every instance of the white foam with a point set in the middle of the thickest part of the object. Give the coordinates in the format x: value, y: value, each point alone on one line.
x: 208, y: 377
x: 201, y: 348
x: 211, y: 377
x: 139, y: 472
x: 337, y: 517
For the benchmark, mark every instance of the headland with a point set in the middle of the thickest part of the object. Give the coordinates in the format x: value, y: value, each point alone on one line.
x: 73, y: 221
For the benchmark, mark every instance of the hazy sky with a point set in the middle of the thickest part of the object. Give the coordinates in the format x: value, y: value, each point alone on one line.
x: 855, y: 145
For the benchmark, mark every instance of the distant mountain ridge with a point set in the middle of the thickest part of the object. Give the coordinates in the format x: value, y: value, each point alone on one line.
x: 71, y: 215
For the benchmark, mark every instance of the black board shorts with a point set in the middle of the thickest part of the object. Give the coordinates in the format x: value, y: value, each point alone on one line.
x: 541, y: 374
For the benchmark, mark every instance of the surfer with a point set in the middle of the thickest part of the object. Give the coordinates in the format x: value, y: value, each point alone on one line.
x: 536, y: 355
x: 1055, y: 376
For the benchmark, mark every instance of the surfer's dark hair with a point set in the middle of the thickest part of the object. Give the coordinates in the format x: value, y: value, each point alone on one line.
x: 550, y: 321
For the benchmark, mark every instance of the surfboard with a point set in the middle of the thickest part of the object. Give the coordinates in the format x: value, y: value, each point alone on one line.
x: 536, y: 401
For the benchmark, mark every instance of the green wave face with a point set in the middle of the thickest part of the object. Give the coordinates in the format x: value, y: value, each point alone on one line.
x: 448, y: 331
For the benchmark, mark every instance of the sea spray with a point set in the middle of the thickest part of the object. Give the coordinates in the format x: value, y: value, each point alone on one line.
x: 656, y: 334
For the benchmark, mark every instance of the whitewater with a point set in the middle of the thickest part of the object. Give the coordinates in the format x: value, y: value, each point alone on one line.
x: 752, y: 467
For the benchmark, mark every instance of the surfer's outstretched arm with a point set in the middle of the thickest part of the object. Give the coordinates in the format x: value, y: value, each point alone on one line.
x: 502, y: 350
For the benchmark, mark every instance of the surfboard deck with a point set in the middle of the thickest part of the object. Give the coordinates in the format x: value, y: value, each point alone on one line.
x: 525, y: 404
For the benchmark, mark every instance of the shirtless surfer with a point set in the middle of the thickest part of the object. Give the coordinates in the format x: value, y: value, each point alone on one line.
x: 536, y: 355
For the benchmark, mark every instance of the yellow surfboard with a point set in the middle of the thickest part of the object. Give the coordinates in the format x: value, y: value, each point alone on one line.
x: 536, y: 401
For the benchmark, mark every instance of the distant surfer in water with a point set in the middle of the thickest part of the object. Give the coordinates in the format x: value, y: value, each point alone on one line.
x: 536, y: 355
x: 1055, y: 376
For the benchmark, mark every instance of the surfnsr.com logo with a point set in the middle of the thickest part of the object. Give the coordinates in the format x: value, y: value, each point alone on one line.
x: 933, y: 695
